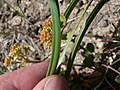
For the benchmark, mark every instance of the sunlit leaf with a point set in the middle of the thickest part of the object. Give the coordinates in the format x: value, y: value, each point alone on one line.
x: 117, y: 79
x: 62, y: 20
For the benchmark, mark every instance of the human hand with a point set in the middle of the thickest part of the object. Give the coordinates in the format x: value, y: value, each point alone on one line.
x: 32, y: 78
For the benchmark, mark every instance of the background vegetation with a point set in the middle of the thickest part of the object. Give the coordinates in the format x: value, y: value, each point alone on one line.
x: 80, y: 37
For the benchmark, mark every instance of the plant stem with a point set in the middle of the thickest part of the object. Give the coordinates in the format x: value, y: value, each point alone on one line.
x: 55, y: 37
x: 70, y: 8
x: 81, y: 35
x: 72, y: 33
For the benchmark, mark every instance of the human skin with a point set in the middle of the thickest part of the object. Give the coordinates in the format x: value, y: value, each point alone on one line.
x: 32, y: 78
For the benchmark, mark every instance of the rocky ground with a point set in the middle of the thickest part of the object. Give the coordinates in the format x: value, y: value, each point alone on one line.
x: 21, y: 22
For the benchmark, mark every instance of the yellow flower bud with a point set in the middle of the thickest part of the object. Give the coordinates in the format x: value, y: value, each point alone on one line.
x: 7, y: 61
x: 15, y: 50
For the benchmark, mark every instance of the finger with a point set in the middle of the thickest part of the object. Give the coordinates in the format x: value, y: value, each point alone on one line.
x: 54, y: 82
x: 25, y: 78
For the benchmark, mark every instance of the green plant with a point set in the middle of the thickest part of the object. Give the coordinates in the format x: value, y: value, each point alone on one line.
x: 56, y: 34
x: 52, y: 36
x: 18, y: 55
x: 54, y: 31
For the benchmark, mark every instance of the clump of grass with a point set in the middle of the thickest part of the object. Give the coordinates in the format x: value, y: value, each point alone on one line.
x: 56, y: 33
x: 56, y: 58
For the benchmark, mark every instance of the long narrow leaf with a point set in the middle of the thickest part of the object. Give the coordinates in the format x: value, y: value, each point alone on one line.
x: 72, y: 33
x: 70, y: 8
x: 55, y: 37
x: 81, y: 35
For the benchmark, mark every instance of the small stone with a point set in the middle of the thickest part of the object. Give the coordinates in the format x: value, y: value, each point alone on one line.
x: 15, y: 21
x: 104, y: 23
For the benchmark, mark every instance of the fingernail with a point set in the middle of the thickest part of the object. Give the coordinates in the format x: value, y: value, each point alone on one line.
x: 49, y: 84
x: 55, y: 83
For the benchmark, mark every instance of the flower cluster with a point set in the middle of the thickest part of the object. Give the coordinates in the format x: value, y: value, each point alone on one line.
x: 46, y: 33
x: 17, y: 55
x: 47, y: 22
x: 15, y: 50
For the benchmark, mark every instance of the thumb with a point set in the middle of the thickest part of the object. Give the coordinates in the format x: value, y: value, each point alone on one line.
x: 53, y: 82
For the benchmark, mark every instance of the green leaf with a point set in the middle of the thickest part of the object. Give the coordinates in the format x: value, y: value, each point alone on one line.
x: 5, y: 33
x: 118, y: 33
x: 2, y: 70
x: 26, y: 48
x: 90, y: 47
x: 70, y: 8
x: 88, y: 62
x: 117, y: 79
x: 56, y: 39
x: 63, y: 36
x: 81, y: 35
x: 70, y: 35
x: 62, y: 21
